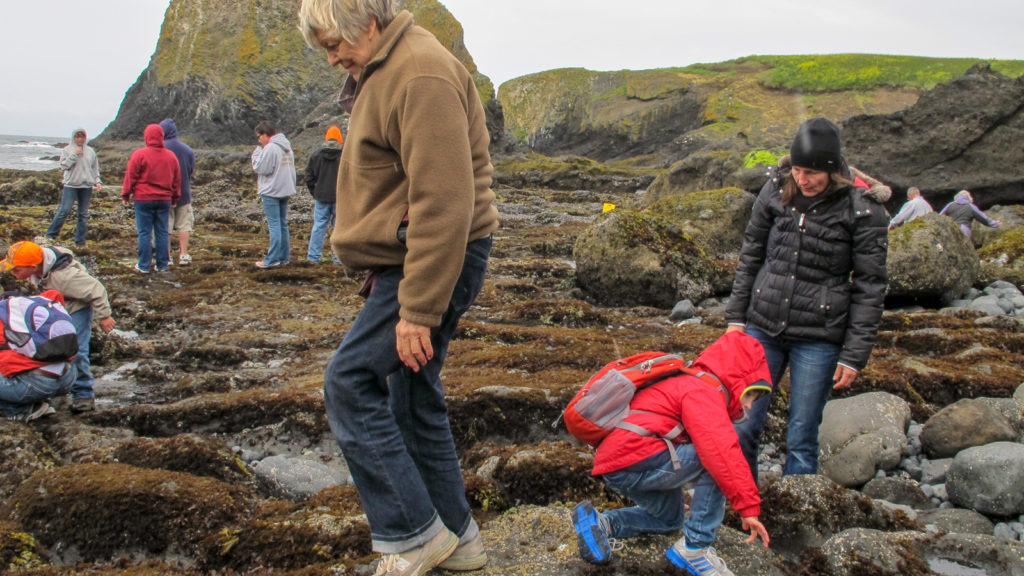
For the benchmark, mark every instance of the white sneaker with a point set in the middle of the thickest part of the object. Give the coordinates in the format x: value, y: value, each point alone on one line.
x: 419, y: 561
x: 700, y: 562
x: 468, y: 556
x: 184, y: 260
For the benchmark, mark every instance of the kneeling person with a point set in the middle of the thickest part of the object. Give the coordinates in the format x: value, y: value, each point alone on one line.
x: 640, y: 468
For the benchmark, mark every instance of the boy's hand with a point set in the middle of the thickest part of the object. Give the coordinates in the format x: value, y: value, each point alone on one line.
x: 107, y: 324
x: 757, y: 530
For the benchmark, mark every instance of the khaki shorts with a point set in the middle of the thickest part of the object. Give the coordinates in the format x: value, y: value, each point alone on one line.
x: 182, y: 219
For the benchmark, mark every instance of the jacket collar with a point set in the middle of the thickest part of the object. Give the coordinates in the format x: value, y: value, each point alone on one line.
x: 388, y: 39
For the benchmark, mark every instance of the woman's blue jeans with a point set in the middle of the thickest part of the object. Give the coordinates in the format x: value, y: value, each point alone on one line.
x: 658, y: 494
x: 68, y: 197
x: 323, y: 220
x: 392, y: 423
x: 151, y: 223
x: 21, y: 391
x: 811, y: 367
x: 276, y: 210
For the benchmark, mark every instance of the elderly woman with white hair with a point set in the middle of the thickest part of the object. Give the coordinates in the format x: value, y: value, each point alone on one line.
x: 963, y: 211
x: 414, y: 180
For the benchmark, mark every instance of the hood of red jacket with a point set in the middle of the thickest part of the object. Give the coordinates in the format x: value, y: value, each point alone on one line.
x: 154, y: 136
x: 737, y: 359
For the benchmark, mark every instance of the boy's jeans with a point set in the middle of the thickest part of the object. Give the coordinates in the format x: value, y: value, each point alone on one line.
x: 811, y: 367
x: 394, y: 431
x: 82, y: 321
x: 658, y: 494
x: 22, y: 390
x: 151, y: 223
x: 68, y: 197
x: 323, y: 220
x: 276, y: 210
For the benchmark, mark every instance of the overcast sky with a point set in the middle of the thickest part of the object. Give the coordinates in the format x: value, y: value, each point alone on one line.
x: 68, y: 63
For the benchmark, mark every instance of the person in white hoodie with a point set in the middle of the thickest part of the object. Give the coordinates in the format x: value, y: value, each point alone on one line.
x: 81, y: 176
x: 274, y: 163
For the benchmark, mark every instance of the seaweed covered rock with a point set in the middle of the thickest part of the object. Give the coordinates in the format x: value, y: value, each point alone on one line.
x: 862, y: 434
x: 667, y: 252
x: 989, y: 479
x: 860, y: 551
x: 37, y: 189
x: 18, y: 549
x: 22, y: 452
x: 193, y: 453
x: 102, y: 511
x: 930, y: 259
x: 803, y: 510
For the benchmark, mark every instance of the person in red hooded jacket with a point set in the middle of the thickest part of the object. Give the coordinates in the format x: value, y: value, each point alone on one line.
x: 153, y: 177
x: 640, y: 468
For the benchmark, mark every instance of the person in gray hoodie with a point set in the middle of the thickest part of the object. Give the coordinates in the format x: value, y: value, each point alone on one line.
x: 274, y: 163
x: 81, y: 176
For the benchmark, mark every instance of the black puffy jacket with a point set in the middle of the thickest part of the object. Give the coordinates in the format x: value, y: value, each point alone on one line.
x: 819, y: 275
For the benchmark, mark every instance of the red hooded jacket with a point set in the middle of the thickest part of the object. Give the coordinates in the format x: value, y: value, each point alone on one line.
x: 738, y: 361
x: 153, y: 173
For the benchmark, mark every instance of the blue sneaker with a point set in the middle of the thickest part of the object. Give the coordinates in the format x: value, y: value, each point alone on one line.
x: 591, y: 534
x: 700, y: 562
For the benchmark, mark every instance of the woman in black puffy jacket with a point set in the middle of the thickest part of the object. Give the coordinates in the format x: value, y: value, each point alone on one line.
x: 810, y: 285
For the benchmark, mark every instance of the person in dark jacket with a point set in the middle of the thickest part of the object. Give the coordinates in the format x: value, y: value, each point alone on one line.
x: 182, y: 218
x: 708, y: 453
x: 322, y: 181
x: 153, y: 178
x: 963, y: 211
x: 810, y: 286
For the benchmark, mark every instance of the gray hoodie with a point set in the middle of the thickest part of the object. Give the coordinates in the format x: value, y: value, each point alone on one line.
x: 80, y: 170
x: 275, y: 168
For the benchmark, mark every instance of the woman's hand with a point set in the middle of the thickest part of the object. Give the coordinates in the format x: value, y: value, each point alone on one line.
x: 413, y: 344
x: 843, y: 377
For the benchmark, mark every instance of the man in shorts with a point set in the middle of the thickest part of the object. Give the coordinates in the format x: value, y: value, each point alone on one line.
x: 182, y: 218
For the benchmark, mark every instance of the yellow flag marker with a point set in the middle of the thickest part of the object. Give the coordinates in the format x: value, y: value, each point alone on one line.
x: 608, y: 207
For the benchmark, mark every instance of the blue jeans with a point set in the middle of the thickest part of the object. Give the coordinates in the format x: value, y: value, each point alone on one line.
x: 82, y: 320
x: 658, y: 493
x: 392, y: 423
x: 811, y: 367
x: 276, y: 210
x: 323, y: 220
x: 21, y: 391
x: 68, y: 197
x: 151, y: 223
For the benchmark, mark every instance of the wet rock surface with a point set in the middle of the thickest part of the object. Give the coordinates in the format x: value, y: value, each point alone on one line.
x: 216, y: 372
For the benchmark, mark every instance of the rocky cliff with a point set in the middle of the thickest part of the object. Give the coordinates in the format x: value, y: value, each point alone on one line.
x: 221, y: 66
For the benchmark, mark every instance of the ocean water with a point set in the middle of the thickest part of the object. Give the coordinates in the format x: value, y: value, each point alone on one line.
x: 28, y: 152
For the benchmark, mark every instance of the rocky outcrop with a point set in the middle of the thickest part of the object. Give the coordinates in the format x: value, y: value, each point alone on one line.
x: 930, y: 259
x: 861, y: 435
x: 964, y: 424
x: 673, y: 250
x: 222, y: 66
x: 965, y: 133
x: 989, y: 479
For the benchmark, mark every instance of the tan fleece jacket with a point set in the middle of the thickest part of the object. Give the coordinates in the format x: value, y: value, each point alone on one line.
x: 79, y: 288
x: 417, y: 144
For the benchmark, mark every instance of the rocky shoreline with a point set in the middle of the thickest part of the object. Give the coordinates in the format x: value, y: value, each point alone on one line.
x: 210, y: 452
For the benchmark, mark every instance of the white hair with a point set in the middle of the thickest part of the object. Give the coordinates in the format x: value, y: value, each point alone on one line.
x: 342, y: 19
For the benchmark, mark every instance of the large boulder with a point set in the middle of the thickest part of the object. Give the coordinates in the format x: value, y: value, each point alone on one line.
x: 665, y: 253
x: 963, y: 424
x: 989, y: 479
x: 862, y: 434
x: 930, y: 258
x: 965, y: 133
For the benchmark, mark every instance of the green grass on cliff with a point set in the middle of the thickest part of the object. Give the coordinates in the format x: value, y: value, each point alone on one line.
x: 837, y: 72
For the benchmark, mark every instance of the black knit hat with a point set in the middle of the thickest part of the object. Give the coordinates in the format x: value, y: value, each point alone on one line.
x: 816, y: 146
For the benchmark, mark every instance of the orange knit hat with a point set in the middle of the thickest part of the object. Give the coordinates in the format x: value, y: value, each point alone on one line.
x: 22, y: 254
x: 334, y: 133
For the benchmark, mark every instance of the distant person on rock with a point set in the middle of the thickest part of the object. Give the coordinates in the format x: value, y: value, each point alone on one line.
x: 915, y: 207
x: 963, y: 211
x: 274, y: 163
x: 417, y: 210
x: 153, y: 179
x: 28, y: 384
x: 182, y: 218
x: 322, y: 180
x: 708, y: 453
x: 85, y: 297
x: 81, y: 176
x: 810, y: 286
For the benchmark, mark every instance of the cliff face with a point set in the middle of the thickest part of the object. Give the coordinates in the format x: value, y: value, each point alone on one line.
x: 221, y: 66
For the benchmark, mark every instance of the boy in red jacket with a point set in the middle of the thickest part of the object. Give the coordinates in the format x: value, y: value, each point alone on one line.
x: 639, y: 467
x: 153, y: 178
